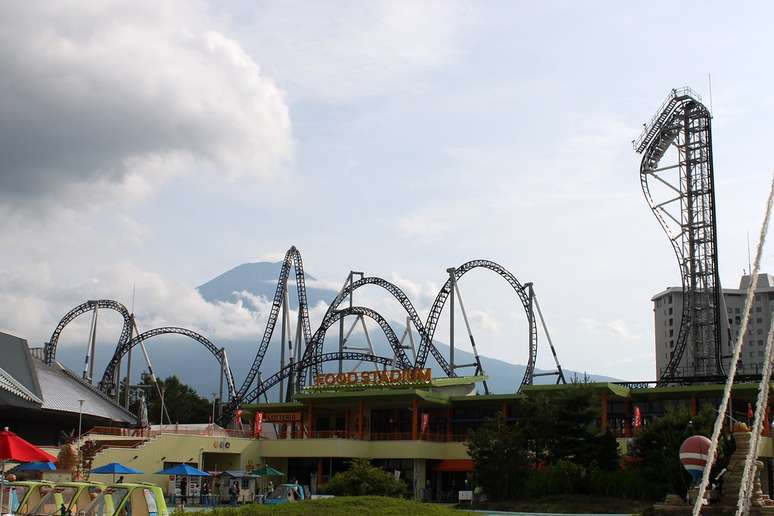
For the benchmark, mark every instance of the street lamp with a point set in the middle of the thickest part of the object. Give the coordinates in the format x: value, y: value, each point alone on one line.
x: 80, y: 418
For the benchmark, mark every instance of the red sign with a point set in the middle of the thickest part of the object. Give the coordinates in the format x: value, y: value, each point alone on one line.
x: 637, y: 418
x: 425, y: 422
x: 258, y: 424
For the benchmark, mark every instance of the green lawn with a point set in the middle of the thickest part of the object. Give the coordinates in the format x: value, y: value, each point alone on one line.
x: 346, y: 506
x: 569, y: 504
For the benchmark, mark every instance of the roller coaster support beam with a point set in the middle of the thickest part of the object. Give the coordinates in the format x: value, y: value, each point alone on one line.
x: 479, y: 367
x: 559, y: 373
x: 451, y: 317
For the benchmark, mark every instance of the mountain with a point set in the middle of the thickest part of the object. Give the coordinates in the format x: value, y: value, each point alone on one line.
x: 259, y: 279
x: 195, y: 366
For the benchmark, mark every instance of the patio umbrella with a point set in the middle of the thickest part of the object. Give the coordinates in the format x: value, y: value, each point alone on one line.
x: 268, y: 471
x: 37, y: 466
x: 183, y: 470
x: 116, y: 468
x: 16, y: 449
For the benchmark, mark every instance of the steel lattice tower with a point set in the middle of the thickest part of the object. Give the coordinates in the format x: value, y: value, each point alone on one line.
x: 681, y: 194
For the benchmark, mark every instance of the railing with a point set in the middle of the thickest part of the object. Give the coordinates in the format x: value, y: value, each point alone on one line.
x: 209, y: 431
x: 649, y: 129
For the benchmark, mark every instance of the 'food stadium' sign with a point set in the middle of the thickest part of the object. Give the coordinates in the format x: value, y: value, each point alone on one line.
x: 394, y: 376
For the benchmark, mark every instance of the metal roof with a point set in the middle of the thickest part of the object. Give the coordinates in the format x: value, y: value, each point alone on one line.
x: 17, y: 362
x: 62, y: 390
x: 10, y: 384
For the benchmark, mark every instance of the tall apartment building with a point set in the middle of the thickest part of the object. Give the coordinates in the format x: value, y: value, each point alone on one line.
x: 668, y: 310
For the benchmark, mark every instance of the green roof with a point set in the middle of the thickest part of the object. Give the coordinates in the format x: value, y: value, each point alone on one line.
x: 610, y: 388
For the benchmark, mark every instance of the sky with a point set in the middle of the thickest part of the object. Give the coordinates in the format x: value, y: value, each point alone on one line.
x: 154, y: 145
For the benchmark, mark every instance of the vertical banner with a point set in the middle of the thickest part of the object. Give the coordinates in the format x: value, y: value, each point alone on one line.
x: 750, y: 413
x: 637, y: 418
x: 258, y: 424
x: 425, y: 423
x: 238, y: 418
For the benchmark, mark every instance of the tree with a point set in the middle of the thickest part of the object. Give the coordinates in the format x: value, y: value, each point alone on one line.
x: 364, y: 479
x: 501, y: 457
x: 181, y: 401
x: 657, y: 447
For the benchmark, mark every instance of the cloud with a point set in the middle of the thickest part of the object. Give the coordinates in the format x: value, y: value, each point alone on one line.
x: 360, y: 49
x: 615, y: 328
x: 120, y: 96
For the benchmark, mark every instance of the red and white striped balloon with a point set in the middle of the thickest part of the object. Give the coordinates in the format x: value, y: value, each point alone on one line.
x: 694, y: 454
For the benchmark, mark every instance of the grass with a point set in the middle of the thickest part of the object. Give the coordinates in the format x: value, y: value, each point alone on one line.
x: 346, y: 506
x: 571, y: 504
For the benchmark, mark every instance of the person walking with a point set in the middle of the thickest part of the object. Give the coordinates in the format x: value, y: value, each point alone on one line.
x: 234, y: 492
x: 183, y: 490
x: 205, y: 494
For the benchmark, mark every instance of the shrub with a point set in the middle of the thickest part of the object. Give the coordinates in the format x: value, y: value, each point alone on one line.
x: 364, y: 479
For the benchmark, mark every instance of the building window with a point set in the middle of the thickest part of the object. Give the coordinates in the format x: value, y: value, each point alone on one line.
x: 758, y: 308
x: 671, y: 333
x: 669, y: 299
x: 670, y: 310
x: 738, y: 320
x: 671, y: 354
x: 736, y: 310
x: 671, y: 343
x: 759, y: 320
x: 760, y: 343
x: 671, y: 321
x: 760, y: 331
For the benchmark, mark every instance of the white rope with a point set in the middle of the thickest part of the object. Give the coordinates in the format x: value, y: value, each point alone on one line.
x: 697, y: 506
x: 748, y: 478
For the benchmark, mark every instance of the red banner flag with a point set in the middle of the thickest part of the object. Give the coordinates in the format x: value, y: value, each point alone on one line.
x: 258, y: 424
x: 637, y: 418
x: 750, y: 413
x: 425, y: 423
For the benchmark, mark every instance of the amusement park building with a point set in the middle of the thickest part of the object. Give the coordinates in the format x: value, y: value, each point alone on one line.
x: 40, y: 402
x: 414, y: 431
x: 668, y: 311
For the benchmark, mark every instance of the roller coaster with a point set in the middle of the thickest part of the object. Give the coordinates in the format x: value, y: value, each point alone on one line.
x: 306, y: 352
x: 679, y: 188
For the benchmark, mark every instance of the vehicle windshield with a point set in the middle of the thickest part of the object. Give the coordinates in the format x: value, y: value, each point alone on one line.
x: 12, y: 497
x: 106, y: 502
x: 53, y: 500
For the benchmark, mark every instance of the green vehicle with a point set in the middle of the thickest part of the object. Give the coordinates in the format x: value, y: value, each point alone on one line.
x: 20, y: 496
x: 128, y: 500
x: 66, y: 498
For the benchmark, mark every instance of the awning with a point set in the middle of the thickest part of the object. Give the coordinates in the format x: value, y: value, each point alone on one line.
x: 454, y: 465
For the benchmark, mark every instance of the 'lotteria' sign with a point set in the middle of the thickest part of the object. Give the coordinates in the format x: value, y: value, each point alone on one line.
x: 365, y: 378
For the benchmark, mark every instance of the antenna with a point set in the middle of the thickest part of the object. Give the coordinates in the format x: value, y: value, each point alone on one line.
x: 709, y: 80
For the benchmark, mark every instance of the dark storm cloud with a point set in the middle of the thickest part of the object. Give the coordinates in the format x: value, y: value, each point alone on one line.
x: 93, y: 92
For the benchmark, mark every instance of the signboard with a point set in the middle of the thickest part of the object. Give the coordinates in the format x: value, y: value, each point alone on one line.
x: 465, y: 496
x: 374, y: 377
x: 258, y: 424
x: 282, y: 417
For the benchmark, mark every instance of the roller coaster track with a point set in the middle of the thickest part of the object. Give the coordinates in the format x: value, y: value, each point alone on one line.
x: 49, y: 349
x: 405, y: 302
x: 313, y: 355
x: 107, y: 384
x: 522, y: 291
x: 292, y: 259
x: 682, y: 198
x: 290, y: 369
x: 316, y: 343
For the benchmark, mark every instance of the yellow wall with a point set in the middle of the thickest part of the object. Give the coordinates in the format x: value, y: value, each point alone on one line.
x: 150, y: 457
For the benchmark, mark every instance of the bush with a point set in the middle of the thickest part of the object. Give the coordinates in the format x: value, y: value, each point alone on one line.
x: 364, y: 479
x: 568, y: 478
